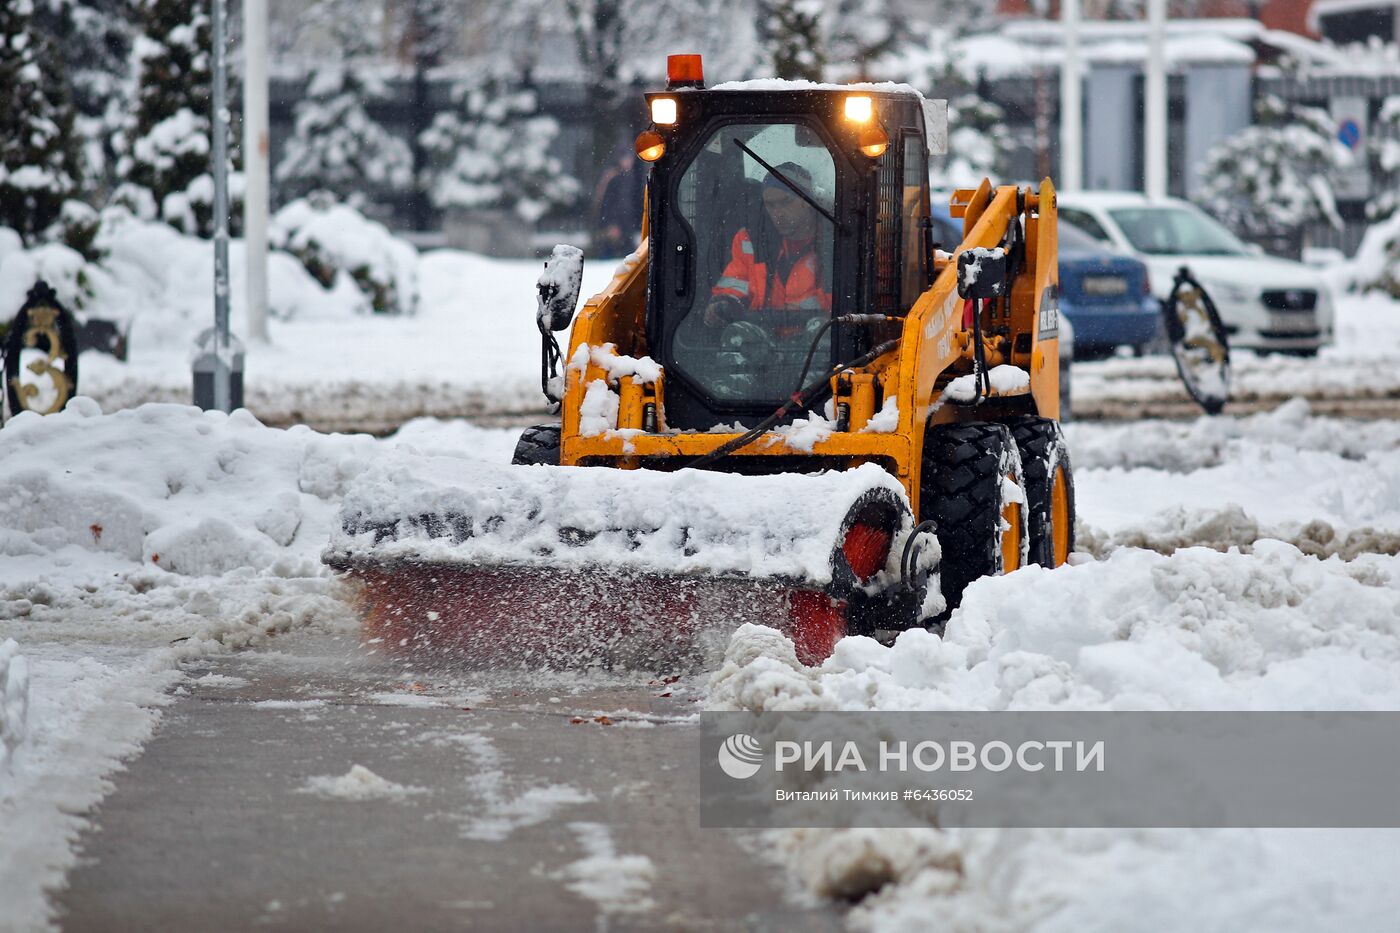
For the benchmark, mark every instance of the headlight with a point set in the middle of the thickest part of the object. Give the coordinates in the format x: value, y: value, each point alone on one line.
x: 859, y: 108
x: 663, y: 111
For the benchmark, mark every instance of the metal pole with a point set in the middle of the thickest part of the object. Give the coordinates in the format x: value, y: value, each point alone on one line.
x: 1071, y: 105
x: 255, y: 164
x: 219, y: 130
x: 1155, y: 106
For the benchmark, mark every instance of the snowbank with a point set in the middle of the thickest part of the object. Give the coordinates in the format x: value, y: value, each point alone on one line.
x: 130, y: 541
x: 1196, y: 630
x: 1259, y: 624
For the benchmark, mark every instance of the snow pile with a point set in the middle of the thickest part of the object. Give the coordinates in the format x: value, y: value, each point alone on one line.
x: 171, y: 488
x: 332, y: 238
x: 14, y: 699
x: 1196, y: 630
x: 438, y: 509
x: 359, y: 783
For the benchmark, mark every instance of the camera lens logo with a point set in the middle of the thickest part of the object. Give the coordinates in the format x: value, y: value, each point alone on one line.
x: 741, y: 756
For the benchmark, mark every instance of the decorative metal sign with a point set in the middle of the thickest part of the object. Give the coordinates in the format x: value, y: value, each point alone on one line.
x: 41, y: 354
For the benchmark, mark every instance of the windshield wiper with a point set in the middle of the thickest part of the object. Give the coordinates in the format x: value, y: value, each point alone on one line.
x: 796, y: 189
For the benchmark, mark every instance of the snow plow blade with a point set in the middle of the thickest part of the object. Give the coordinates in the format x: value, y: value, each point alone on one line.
x: 576, y: 566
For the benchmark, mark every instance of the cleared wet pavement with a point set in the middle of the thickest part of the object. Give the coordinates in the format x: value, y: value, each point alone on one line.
x: 481, y: 800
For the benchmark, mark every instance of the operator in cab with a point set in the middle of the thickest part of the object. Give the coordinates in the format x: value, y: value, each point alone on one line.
x: 779, y: 269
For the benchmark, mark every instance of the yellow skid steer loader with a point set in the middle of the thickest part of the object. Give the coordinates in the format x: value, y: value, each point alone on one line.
x: 789, y: 406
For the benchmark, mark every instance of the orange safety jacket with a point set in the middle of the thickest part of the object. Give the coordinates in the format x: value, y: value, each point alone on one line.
x: 751, y: 284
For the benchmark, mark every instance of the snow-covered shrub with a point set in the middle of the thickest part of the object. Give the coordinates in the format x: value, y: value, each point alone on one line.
x: 818, y: 39
x: 331, y: 238
x: 77, y: 228
x: 1376, y: 265
x: 166, y: 144
x: 40, y: 165
x: 494, y: 149
x: 1385, y: 153
x: 792, y: 29
x: 337, y: 147
x: 978, y: 144
x: 1272, y: 178
x: 94, y: 38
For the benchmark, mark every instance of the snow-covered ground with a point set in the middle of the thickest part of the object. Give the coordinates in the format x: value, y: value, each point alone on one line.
x: 1364, y: 363
x: 168, y: 533
x: 132, y: 540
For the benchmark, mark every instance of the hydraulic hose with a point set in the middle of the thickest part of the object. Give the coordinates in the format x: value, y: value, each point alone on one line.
x: 804, y: 396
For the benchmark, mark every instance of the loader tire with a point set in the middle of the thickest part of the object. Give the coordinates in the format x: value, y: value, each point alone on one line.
x: 537, y: 445
x: 1049, y: 488
x: 980, y: 527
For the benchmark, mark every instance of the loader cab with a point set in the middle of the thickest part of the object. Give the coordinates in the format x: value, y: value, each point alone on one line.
x: 771, y: 211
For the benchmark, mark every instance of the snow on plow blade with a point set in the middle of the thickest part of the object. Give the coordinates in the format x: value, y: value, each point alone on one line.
x: 579, y: 565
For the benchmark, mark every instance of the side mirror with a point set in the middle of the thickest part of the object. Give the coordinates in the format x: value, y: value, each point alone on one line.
x: 559, y: 285
x: 982, y: 273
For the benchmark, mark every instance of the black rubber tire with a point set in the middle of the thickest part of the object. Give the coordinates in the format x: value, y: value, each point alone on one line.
x: 537, y: 445
x: 1176, y: 333
x: 962, y: 492
x: 1043, y: 452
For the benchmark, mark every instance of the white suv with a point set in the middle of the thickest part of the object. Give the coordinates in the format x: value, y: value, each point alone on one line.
x: 1266, y: 303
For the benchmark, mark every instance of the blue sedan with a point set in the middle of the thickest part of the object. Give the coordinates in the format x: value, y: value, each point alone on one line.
x: 1105, y: 294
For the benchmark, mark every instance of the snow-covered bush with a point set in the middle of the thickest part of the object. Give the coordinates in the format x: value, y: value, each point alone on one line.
x: 792, y: 30
x: 1272, y: 178
x: 978, y: 144
x: 1376, y: 265
x: 1385, y: 151
x: 337, y: 147
x: 39, y: 159
x: 94, y: 38
x: 331, y: 239
x: 73, y: 278
x: 77, y: 228
x: 166, y: 144
x: 820, y: 39
x: 494, y: 149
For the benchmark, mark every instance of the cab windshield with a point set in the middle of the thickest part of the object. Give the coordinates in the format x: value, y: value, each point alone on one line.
x: 758, y: 201
x: 1166, y: 231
